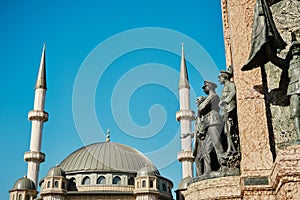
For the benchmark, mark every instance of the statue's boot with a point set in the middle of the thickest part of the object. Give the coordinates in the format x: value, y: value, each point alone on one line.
x: 207, y: 164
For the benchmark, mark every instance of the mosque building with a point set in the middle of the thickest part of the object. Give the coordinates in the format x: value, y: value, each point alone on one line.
x: 103, y: 170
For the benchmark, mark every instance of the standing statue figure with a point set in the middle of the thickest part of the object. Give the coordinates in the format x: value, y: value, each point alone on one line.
x: 294, y: 86
x: 266, y: 40
x: 229, y: 111
x: 199, y: 135
x: 212, y: 124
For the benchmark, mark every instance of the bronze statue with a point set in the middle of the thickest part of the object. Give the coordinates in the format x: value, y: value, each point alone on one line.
x: 229, y: 111
x: 266, y: 40
x: 293, y: 90
x: 199, y: 135
x: 212, y: 124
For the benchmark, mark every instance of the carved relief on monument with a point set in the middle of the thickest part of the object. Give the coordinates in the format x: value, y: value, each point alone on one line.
x: 286, y: 16
x: 266, y: 43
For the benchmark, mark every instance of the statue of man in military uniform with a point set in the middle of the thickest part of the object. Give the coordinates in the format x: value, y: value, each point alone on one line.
x: 212, y: 124
x: 294, y: 86
x: 199, y: 135
x: 229, y: 111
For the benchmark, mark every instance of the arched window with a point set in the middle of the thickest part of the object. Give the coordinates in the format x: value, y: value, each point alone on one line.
x: 71, y: 185
x: 131, y: 181
x: 138, y: 184
x: 48, y: 184
x: 56, y: 184
x: 116, y: 180
x: 101, y: 180
x: 164, y: 187
x: 143, y: 183
x: 20, y: 197
x: 151, y: 184
x: 86, y: 180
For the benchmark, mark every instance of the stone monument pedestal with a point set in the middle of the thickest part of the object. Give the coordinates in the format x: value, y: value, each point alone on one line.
x: 217, y: 188
x: 285, y: 176
x: 282, y: 183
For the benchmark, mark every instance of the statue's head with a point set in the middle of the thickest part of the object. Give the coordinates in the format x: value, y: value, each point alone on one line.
x: 208, y: 85
x: 200, y: 99
x: 224, y: 75
x: 295, y: 48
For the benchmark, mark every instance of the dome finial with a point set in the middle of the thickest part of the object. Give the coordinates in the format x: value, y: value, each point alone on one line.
x: 107, y: 135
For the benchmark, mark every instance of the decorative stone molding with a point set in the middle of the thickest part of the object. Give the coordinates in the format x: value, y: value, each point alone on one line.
x: 38, y: 115
x: 187, y: 114
x: 185, y: 156
x: 34, y: 156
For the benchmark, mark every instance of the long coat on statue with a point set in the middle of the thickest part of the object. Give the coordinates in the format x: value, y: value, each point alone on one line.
x: 264, y: 34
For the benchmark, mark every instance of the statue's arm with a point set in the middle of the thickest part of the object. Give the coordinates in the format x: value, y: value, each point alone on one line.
x: 205, y: 103
x: 232, y: 93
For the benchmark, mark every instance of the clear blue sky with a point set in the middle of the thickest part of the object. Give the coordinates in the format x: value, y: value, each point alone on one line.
x: 106, y: 69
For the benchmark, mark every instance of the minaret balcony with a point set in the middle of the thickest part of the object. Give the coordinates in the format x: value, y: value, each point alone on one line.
x: 185, y: 156
x: 38, y: 115
x: 187, y: 114
x: 34, y: 156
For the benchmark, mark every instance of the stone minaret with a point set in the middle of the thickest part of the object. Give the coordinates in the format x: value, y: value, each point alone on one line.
x: 37, y: 116
x: 185, y: 116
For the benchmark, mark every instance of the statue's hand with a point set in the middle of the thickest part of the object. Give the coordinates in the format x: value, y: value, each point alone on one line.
x: 222, y: 103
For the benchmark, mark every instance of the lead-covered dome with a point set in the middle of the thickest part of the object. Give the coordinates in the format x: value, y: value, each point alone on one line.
x: 56, y: 171
x: 24, y: 184
x: 106, y: 157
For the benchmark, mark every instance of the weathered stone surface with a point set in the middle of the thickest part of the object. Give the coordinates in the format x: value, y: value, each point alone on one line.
x: 254, y: 135
x: 218, y: 188
x: 285, y: 177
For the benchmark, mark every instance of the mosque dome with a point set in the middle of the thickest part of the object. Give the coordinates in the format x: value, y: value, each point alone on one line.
x: 56, y: 171
x: 24, y: 184
x: 106, y: 157
x: 146, y: 171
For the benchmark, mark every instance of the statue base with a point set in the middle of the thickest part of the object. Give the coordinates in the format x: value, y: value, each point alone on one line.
x: 213, y: 188
x: 282, y: 182
x: 217, y: 174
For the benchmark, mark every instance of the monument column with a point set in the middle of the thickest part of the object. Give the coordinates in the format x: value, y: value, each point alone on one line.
x: 254, y: 135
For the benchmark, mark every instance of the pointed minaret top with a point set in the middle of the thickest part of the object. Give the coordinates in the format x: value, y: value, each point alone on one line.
x: 107, y: 135
x: 41, y: 79
x: 184, y: 79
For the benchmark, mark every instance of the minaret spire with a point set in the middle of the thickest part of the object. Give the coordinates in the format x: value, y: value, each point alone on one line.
x: 41, y: 79
x: 37, y: 116
x: 185, y: 116
x: 184, y: 79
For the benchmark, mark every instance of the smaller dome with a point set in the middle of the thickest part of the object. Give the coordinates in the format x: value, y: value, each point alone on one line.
x: 147, y: 171
x: 56, y: 171
x: 24, y: 184
x: 184, y: 183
